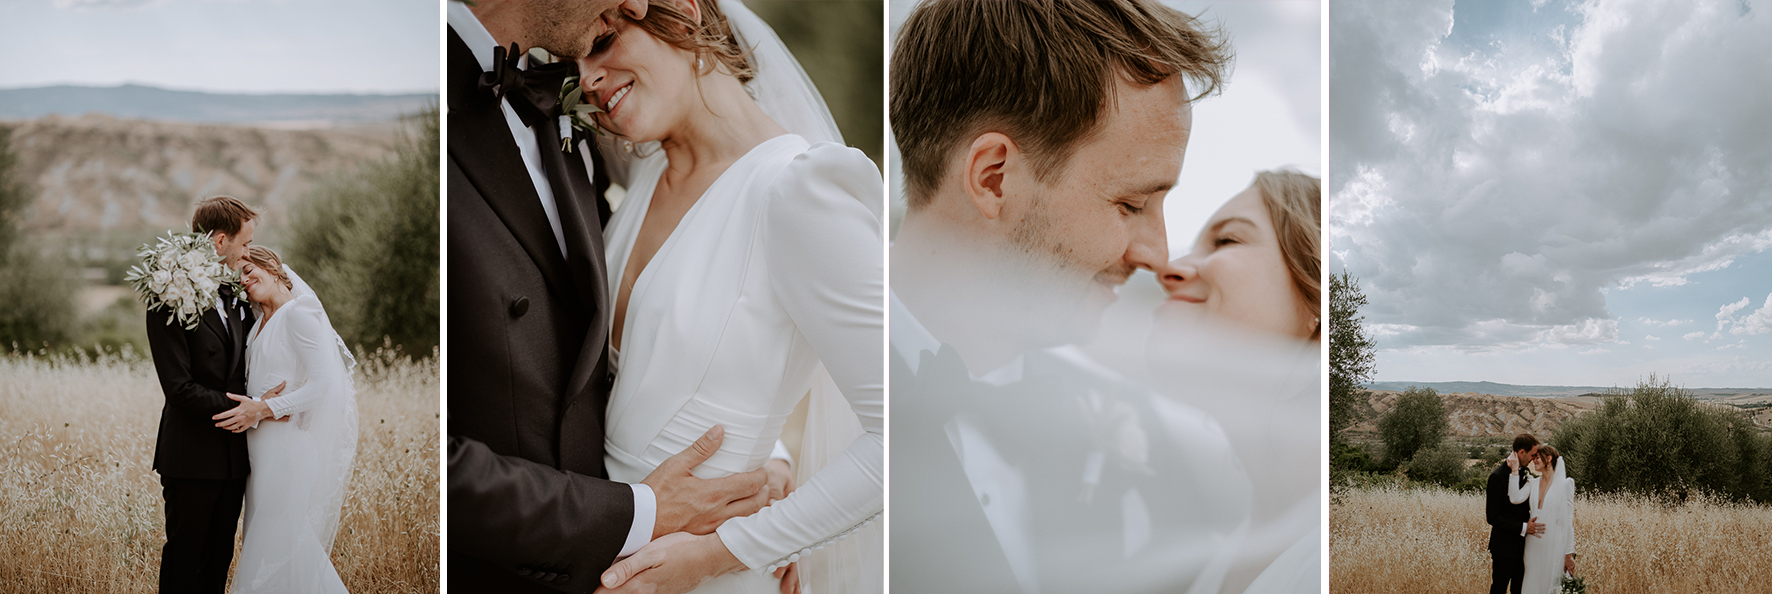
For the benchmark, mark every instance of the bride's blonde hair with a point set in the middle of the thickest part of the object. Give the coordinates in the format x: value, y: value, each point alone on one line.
x: 266, y: 259
x: 1292, y: 203
x: 712, y: 38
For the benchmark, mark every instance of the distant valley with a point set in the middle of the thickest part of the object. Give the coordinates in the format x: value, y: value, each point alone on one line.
x: 140, y: 102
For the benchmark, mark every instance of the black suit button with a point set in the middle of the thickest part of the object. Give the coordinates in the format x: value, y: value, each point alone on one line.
x: 563, y: 577
x: 547, y: 577
x: 519, y: 307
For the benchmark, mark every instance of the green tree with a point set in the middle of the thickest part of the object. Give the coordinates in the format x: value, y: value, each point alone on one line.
x: 36, y: 292
x: 368, y: 244
x: 840, y: 45
x: 1417, y: 423
x: 1441, y: 465
x: 1351, y: 351
x: 1656, y: 439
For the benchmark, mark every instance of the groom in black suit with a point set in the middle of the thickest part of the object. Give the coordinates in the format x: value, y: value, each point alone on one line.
x: 202, y: 467
x: 530, y: 506
x: 1510, y: 522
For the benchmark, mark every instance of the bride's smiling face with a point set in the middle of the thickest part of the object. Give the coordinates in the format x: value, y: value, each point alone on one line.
x: 260, y: 284
x: 645, y: 86
x: 1237, y: 275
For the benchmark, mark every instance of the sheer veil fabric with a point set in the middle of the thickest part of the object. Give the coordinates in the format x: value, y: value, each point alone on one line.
x: 334, y: 428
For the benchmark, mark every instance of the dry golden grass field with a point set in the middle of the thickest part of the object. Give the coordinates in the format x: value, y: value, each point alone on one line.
x: 80, y: 507
x: 1392, y: 539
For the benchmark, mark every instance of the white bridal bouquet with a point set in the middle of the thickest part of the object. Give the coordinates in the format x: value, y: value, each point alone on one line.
x: 182, y: 274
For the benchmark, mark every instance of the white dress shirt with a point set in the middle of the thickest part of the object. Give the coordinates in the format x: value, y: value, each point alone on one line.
x: 997, y: 485
x: 474, y: 34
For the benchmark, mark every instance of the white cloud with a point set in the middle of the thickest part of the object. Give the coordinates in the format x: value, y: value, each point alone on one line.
x: 1668, y: 323
x: 104, y: 5
x: 1758, y: 322
x: 1595, y: 351
x: 1694, y: 335
x: 1652, y: 338
x: 1589, y: 331
x: 1488, y: 186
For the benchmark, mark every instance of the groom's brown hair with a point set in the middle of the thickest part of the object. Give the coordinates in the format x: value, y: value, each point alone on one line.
x: 1039, y: 71
x: 1524, y: 442
x: 221, y: 214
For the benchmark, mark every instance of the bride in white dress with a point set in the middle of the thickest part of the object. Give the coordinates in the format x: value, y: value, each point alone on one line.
x: 1552, y: 498
x: 300, y: 467
x: 747, y: 262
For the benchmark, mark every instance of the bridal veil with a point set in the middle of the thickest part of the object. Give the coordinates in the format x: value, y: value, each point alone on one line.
x: 334, y: 431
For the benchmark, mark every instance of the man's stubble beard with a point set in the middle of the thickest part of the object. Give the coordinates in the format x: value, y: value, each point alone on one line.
x: 1046, y: 285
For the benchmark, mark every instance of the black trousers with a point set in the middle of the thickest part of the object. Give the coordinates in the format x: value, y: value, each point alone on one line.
x: 1509, y: 569
x: 201, y: 516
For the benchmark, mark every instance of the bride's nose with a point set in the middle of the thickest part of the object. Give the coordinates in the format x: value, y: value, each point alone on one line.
x: 590, y: 77
x: 1176, y: 272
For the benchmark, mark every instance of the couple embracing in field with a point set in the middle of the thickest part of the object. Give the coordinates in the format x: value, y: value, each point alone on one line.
x: 1531, y: 512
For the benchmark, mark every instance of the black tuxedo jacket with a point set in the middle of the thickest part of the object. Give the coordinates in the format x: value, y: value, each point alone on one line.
x: 197, y: 370
x: 529, y: 376
x: 942, y: 540
x: 1505, y: 517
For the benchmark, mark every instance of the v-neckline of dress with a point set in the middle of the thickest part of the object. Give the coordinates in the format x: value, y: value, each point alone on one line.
x: 646, y: 272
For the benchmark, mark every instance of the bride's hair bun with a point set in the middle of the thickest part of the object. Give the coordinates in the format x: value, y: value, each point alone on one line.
x: 266, y: 259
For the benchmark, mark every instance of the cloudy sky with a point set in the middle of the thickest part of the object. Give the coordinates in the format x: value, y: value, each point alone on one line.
x: 1268, y: 116
x: 256, y: 46
x: 1546, y: 192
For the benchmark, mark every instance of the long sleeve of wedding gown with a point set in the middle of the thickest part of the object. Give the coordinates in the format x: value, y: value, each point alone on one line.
x: 824, y: 248
x: 1568, y: 513
x: 317, y: 347
x: 1516, y: 494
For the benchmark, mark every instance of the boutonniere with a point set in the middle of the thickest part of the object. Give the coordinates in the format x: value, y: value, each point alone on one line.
x: 576, y: 114
x: 183, y: 275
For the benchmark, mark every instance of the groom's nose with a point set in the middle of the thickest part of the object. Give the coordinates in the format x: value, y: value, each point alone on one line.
x: 1149, y: 248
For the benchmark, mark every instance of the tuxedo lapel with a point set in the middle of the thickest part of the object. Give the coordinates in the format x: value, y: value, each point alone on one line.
x: 573, y: 193
x: 481, y: 145
x: 241, y: 326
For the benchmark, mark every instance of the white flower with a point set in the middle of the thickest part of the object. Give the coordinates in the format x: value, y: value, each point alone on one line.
x: 168, y: 259
x: 193, y: 260
x: 207, y: 287
x: 159, y: 280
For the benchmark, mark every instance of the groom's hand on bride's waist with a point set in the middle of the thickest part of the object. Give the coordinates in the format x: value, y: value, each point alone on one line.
x: 696, y: 505
x: 249, y: 412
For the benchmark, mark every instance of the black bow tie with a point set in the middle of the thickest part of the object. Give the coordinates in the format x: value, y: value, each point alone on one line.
x: 533, y: 93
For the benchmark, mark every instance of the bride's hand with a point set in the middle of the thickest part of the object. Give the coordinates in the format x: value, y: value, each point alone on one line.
x: 1569, y: 564
x: 1513, y: 462
x: 781, y: 479
x: 790, y: 578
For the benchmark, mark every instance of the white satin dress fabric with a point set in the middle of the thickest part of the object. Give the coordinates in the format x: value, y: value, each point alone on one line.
x: 300, y: 467
x: 1544, y: 553
x: 773, y: 277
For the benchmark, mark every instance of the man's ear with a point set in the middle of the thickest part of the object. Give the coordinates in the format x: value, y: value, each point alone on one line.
x: 988, y: 159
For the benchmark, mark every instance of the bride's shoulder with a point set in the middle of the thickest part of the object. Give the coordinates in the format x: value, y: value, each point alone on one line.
x: 825, y: 171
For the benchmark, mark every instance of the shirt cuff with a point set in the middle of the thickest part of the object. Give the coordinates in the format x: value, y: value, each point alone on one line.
x: 645, y: 516
x: 1523, y: 528
x: 781, y: 453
